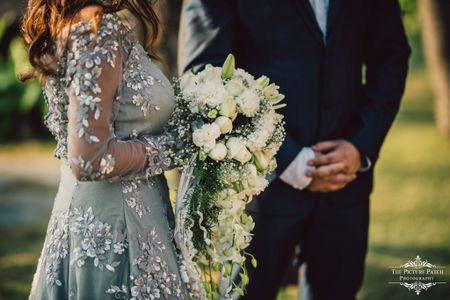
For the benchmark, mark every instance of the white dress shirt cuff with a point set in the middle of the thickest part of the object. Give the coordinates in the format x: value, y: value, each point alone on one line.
x: 295, y: 173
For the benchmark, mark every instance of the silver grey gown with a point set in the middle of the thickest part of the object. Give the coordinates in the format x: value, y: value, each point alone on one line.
x: 110, y: 233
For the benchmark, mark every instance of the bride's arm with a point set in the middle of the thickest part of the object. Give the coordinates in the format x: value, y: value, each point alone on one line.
x: 93, y: 78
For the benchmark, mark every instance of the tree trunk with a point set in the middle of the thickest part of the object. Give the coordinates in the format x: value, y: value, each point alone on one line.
x: 436, y: 38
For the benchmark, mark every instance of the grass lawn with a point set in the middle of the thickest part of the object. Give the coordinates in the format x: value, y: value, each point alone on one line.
x: 410, y: 209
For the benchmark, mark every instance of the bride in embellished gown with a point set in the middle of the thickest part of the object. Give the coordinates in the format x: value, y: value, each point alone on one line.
x: 110, y: 232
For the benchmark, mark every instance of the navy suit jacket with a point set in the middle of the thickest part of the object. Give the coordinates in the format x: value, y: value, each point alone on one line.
x: 347, y: 87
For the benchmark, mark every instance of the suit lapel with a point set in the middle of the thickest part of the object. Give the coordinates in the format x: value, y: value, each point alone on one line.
x: 333, y: 11
x: 305, y: 10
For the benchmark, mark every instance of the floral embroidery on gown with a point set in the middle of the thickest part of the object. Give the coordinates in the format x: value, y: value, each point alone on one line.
x: 110, y: 232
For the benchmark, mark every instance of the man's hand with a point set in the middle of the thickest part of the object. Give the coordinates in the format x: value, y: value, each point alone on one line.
x: 338, y: 156
x: 330, y: 184
x: 335, y: 167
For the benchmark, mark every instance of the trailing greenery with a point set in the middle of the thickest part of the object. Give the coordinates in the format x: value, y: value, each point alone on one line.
x: 203, y: 200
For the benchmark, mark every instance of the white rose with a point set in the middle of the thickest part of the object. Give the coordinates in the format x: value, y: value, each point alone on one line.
x: 206, y: 136
x: 219, y: 152
x: 237, y: 150
x: 228, y: 107
x: 225, y: 124
x: 235, y: 86
x: 243, y: 156
x: 248, y: 102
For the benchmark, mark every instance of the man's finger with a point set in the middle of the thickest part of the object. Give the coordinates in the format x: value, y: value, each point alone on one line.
x: 327, y: 170
x: 325, y: 146
x: 326, y: 159
x: 342, y: 178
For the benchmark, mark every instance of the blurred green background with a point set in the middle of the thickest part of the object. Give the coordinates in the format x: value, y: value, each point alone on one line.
x: 410, y: 209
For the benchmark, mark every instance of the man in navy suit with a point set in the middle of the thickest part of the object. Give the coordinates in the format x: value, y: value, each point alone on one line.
x: 342, y: 65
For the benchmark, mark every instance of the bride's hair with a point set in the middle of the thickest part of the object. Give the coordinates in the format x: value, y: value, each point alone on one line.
x: 45, y: 19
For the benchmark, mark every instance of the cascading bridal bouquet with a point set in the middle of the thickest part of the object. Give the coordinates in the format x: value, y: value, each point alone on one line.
x: 227, y: 123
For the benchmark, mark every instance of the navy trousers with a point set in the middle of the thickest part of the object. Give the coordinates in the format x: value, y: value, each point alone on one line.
x: 333, y: 242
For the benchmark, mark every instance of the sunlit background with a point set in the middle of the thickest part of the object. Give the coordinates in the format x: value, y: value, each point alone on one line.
x: 410, y: 211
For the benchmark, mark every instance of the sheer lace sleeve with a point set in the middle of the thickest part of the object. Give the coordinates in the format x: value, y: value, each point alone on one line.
x: 93, y: 75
